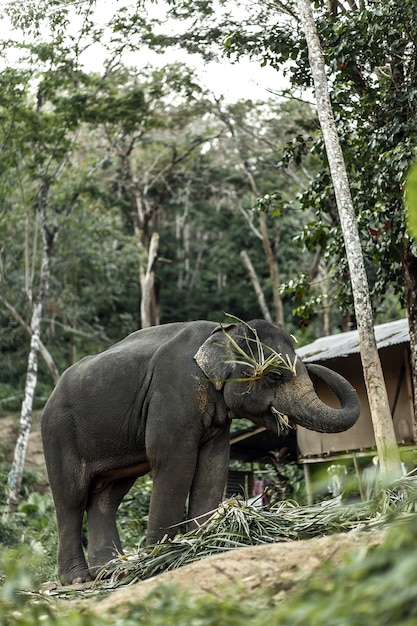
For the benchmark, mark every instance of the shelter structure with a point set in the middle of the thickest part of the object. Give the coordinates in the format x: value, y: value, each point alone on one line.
x: 341, y: 353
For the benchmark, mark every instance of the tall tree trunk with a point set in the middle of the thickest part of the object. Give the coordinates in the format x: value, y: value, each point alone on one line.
x: 388, y: 453
x: 273, y: 270
x: 142, y: 212
x: 16, y: 472
x: 410, y: 273
x: 269, y: 253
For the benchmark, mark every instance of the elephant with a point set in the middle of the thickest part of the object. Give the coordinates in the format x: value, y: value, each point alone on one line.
x: 162, y: 400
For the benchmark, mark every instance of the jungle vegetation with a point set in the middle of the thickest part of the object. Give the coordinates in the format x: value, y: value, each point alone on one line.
x: 119, y: 156
x: 98, y: 167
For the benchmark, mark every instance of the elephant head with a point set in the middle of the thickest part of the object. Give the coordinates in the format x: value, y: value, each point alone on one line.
x: 256, y: 369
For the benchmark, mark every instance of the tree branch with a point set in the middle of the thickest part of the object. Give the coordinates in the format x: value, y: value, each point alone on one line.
x: 256, y: 285
x: 46, y: 355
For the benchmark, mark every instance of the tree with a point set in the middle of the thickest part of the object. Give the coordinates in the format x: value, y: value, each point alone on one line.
x: 40, y: 134
x: 370, y: 48
x: 11, y: 127
x: 389, y: 457
x: 149, y: 139
x: 375, y: 71
x: 232, y: 118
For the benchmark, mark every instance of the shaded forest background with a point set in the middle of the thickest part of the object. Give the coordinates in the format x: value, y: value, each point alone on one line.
x: 128, y: 158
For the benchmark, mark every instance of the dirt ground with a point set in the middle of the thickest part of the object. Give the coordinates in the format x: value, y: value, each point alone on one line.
x: 279, y: 567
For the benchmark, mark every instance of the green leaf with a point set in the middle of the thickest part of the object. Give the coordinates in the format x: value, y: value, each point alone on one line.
x: 411, y: 200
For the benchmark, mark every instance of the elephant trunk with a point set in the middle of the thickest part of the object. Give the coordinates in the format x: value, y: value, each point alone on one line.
x: 310, y: 412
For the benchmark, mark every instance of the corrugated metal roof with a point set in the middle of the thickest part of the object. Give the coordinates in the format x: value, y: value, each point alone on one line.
x: 343, y: 344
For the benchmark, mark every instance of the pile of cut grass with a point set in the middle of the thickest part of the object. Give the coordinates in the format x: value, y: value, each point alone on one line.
x: 236, y: 524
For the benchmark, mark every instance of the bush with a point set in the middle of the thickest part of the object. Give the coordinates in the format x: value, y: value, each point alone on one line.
x: 31, y: 529
x: 31, y: 532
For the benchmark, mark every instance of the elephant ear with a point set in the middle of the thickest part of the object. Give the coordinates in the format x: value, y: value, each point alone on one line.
x: 211, y: 356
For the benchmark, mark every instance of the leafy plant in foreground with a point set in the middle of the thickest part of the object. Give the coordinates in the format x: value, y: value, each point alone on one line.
x: 377, y: 588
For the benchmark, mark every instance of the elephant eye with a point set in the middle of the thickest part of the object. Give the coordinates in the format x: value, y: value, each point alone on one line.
x: 274, y: 375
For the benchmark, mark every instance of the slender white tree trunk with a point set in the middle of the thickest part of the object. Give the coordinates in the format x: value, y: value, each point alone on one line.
x: 388, y: 453
x: 16, y: 472
x: 49, y: 237
x: 46, y: 355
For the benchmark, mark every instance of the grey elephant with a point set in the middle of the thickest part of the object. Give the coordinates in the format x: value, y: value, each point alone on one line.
x: 162, y: 400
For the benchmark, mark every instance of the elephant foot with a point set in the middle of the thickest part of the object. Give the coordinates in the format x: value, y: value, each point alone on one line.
x: 75, y: 578
x: 82, y: 579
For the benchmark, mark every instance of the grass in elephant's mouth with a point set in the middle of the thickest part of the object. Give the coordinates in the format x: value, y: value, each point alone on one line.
x: 235, y: 524
x: 282, y: 421
x: 258, y: 358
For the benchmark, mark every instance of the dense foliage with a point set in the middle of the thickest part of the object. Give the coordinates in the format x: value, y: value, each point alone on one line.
x: 130, y: 152
x: 370, y: 54
x: 114, y: 179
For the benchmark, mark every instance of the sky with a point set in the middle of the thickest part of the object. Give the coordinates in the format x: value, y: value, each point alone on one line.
x: 243, y: 79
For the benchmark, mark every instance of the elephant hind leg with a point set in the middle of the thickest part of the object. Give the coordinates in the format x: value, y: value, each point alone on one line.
x: 103, y: 536
x: 70, y: 498
x: 72, y: 566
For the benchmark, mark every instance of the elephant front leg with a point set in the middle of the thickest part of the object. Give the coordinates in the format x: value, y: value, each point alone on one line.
x: 209, y: 479
x: 171, y: 485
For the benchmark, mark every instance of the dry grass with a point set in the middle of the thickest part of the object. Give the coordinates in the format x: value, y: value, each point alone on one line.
x: 235, y: 525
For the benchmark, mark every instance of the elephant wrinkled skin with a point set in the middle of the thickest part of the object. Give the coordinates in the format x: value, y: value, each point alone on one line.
x: 162, y: 400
